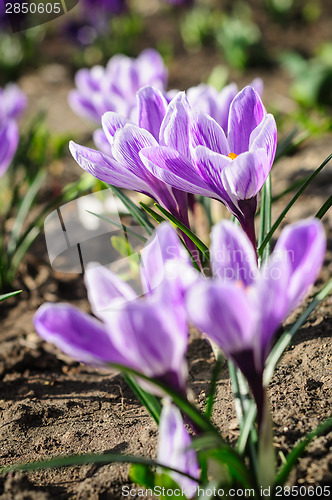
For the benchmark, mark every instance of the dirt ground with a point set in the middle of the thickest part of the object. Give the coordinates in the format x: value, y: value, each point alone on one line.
x: 51, y: 405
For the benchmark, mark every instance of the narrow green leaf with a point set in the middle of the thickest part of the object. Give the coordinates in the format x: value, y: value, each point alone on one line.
x: 92, y: 458
x: 322, y: 211
x: 265, y: 220
x: 151, y: 403
x: 287, y: 336
x: 133, y: 209
x: 199, y: 244
x: 290, y: 204
x: 7, y: 295
x: 248, y: 422
x: 119, y: 225
x: 213, y: 385
x: 24, y: 209
x: 158, y: 218
x: 298, y: 450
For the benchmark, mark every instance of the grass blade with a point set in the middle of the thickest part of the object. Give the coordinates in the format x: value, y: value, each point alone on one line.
x: 265, y: 221
x: 151, y: 403
x: 287, y: 336
x: 290, y: 204
x: 133, y: 209
x: 199, y: 244
x: 324, y: 208
x: 7, y: 295
x: 213, y: 385
x: 119, y: 225
x: 158, y: 218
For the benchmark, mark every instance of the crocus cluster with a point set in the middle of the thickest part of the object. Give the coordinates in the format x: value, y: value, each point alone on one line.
x: 243, y: 306
x: 114, y: 88
x: 12, y: 104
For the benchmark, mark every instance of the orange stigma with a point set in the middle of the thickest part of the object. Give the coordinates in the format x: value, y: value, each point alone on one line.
x: 232, y: 156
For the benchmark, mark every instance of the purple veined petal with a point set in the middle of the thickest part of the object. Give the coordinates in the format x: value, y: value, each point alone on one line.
x: 101, y: 142
x: 269, y: 296
x: 265, y: 137
x: 174, y: 169
x: 88, y: 81
x: 152, y: 69
x: 223, y: 104
x: 164, y: 245
x: 210, y: 166
x: 153, y: 337
x: 174, y: 448
x: 112, y: 122
x: 244, y: 176
x: 106, y: 291
x: 174, y: 130
x: 232, y: 255
x: 126, y: 78
x: 9, y: 137
x: 107, y: 169
x: 14, y: 101
x: 304, y: 245
x: 83, y: 106
x: 151, y: 110
x: 77, y: 334
x: 225, y: 313
x: 127, y: 144
x: 203, y: 98
x: 245, y: 114
x: 205, y: 131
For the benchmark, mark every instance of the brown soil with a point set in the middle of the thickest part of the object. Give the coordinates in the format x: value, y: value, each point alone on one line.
x: 51, y: 405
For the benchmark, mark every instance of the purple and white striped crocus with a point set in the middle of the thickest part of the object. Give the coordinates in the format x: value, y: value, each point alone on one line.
x: 12, y: 103
x: 123, y: 166
x: 148, y: 334
x: 174, y: 441
x: 194, y: 154
x: 114, y: 88
x: 243, y: 306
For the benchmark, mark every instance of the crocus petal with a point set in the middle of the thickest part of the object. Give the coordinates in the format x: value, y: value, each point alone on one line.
x: 14, y: 101
x: 127, y: 144
x: 9, y: 137
x: 106, y: 291
x: 174, y: 169
x: 89, y: 80
x: 244, y: 176
x: 151, y: 69
x: 112, y: 122
x: 77, y: 334
x: 224, y: 312
x: 106, y: 168
x: 174, y: 128
x: 101, y: 142
x: 151, y: 110
x: 83, y: 106
x: 303, y: 244
x: 245, y: 114
x: 265, y: 137
x: 174, y: 441
x: 204, y: 131
x: 164, y: 245
x: 232, y: 254
x: 224, y: 101
x: 210, y: 166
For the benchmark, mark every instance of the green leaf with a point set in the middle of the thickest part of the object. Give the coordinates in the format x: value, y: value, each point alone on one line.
x: 213, y: 385
x: 151, y: 402
x: 158, y: 218
x: 298, y: 450
x: 7, y: 295
x: 142, y: 475
x: 324, y: 208
x: 265, y: 221
x: 133, y: 209
x: 199, y: 244
x: 287, y: 336
x: 290, y: 204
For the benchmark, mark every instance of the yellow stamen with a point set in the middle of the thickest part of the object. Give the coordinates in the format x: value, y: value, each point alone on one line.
x: 232, y: 156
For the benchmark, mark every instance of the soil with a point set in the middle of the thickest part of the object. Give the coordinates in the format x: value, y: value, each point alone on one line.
x: 51, y: 405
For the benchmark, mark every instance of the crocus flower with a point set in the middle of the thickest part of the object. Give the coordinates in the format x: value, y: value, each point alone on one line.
x: 197, y: 156
x: 12, y: 104
x: 174, y: 441
x: 114, y: 88
x: 149, y: 334
x: 207, y: 99
x: 243, y: 306
x: 123, y: 166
